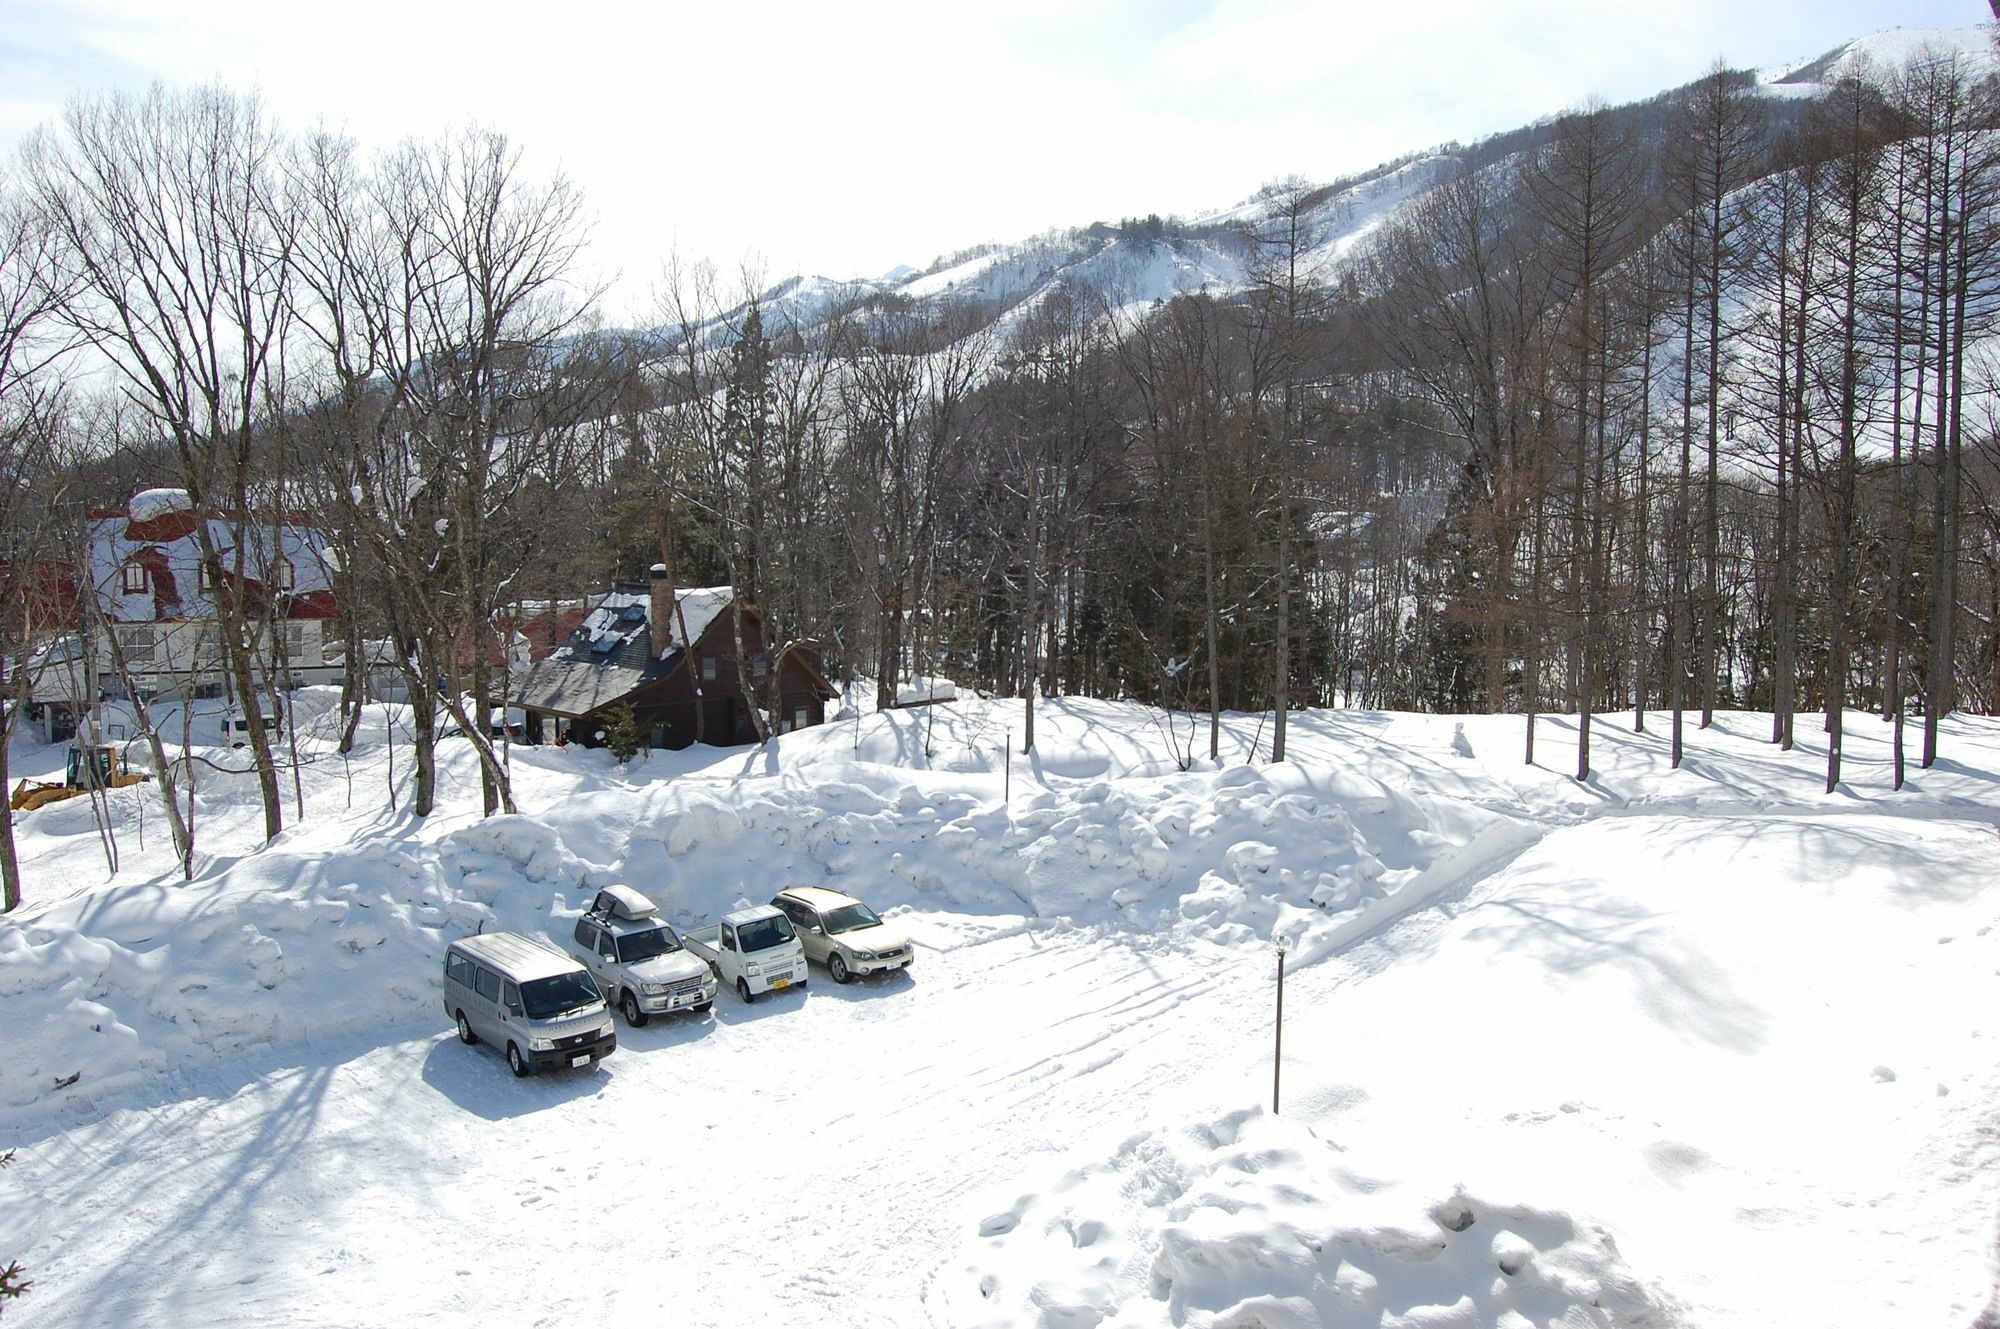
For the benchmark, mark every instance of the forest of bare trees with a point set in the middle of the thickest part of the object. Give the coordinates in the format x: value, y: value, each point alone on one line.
x: 1662, y: 411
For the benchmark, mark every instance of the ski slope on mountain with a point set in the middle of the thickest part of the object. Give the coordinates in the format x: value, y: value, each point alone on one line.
x: 1694, y: 1048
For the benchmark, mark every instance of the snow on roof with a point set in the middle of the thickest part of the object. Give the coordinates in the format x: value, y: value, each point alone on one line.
x: 172, y: 586
x: 611, y: 618
x: 152, y: 504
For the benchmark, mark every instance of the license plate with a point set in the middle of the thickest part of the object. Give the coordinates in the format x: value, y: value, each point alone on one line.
x: 780, y: 982
x: 583, y: 1060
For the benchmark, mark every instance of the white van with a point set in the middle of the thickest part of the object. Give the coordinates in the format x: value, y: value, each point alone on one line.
x: 528, y: 999
x: 236, y: 727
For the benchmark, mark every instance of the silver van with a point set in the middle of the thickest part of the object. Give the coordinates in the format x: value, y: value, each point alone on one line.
x: 528, y: 999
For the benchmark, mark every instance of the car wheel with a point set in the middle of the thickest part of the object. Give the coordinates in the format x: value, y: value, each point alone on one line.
x: 743, y: 991
x: 465, y: 1034
x: 517, y: 1063
x: 836, y: 965
x: 633, y: 1015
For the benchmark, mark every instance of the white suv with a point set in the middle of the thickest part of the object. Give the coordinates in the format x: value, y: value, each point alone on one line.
x: 842, y: 933
x: 637, y: 960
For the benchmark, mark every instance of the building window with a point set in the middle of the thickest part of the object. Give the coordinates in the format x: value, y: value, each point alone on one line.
x: 132, y: 579
x: 208, y: 645
x: 708, y: 669
x: 281, y: 574
x: 202, y: 580
x: 295, y: 640
x: 137, y: 642
x: 759, y: 666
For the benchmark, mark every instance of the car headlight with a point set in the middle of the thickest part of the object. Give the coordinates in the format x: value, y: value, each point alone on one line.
x: 655, y: 989
x: 541, y: 1045
x: 753, y: 969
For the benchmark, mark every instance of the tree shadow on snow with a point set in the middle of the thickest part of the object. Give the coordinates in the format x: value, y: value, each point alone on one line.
x: 1672, y: 981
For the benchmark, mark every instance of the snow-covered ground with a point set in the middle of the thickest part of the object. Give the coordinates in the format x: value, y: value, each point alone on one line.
x: 1696, y: 1048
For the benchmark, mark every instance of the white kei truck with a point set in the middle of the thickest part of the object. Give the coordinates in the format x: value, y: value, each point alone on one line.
x: 754, y: 950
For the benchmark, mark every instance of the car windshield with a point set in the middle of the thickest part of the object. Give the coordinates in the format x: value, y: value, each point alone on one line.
x: 645, y: 945
x: 849, y: 917
x: 544, y: 997
x: 765, y: 933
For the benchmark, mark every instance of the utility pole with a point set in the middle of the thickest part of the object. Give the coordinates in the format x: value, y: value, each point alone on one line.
x: 1278, y: 1029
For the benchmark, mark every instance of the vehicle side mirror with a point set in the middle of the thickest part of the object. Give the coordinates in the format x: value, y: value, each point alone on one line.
x: 514, y: 1008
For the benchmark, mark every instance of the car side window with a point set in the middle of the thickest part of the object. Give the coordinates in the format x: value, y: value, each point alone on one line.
x: 510, y: 997
x: 458, y: 968
x: 607, y: 946
x: 586, y: 935
x: 728, y: 937
x: 486, y: 983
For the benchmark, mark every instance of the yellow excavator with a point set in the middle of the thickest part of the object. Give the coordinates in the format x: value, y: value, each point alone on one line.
x: 88, y: 768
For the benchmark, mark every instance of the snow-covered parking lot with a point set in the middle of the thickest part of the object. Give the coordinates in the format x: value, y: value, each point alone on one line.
x: 1702, y: 1048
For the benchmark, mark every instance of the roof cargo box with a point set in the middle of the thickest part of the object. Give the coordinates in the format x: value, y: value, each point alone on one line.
x: 622, y: 902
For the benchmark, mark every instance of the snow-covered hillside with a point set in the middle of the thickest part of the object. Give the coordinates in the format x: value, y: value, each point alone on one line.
x: 1112, y: 270
x: 1696, y: 1048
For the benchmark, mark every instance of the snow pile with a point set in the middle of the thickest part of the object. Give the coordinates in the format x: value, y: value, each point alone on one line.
x: 288, y: 945
x: 1230, y: 857
x: 1250, y: 1219
x: 120, y: 989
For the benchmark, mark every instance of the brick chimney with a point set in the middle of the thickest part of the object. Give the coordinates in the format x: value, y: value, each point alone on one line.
x: 660, y: 615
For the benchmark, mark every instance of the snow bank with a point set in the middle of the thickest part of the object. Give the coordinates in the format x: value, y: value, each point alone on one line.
x: 119, y: 989
x: 1250, y: 1219
x: 1227, y: 857
x: 288, y: 944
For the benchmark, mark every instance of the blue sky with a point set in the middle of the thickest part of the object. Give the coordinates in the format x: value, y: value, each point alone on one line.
x: 847, y: 138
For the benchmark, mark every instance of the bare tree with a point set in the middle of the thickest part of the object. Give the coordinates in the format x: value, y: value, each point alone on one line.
x: 441, y: 290
x: 171, y: 215
x: 32, y: 291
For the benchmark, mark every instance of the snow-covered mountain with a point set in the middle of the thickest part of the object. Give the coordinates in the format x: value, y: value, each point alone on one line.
x: 1114, y: 266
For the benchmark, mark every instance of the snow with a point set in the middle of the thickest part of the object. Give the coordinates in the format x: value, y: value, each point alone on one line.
x: 112, y: 547
x: 152, y: 504
x: 1702, y: 1047
x: 918, y: 690
x: 1884, y: 52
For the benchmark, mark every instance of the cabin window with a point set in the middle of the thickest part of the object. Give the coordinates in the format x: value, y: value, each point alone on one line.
x: 759, y: 666
x: 203, y: 580
x: 281, y: 574
x: 799, y: 718
x: 132, y: 579
x: 293, y: 636
x: 708, y: 669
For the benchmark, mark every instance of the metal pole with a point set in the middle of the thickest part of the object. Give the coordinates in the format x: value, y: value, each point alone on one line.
x: 1007, y: 781
x: 1278, y: 1041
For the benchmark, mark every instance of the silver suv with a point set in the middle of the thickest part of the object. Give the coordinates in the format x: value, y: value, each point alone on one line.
x: 637, y: 960
x: 842, y: 933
